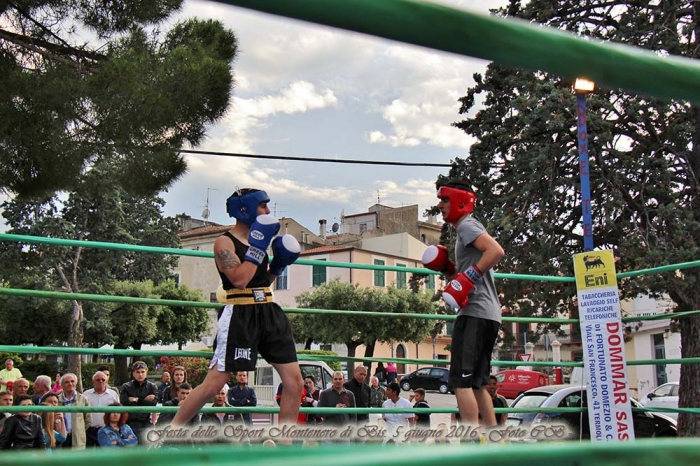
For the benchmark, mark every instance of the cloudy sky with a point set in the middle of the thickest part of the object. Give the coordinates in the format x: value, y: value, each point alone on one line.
x: 311, y: 91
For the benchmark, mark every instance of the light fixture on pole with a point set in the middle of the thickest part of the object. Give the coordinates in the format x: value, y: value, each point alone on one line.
x: 582, y: 87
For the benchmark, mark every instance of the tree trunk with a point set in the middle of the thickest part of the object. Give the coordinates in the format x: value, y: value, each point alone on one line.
x: 369, y: 352
x: 688, y: 394
x: 75, y: 340
x: 352, y: 348
x: 122, y: 374
x: 307, y: 345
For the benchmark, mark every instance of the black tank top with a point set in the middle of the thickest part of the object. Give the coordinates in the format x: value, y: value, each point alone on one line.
x: 260, y: 279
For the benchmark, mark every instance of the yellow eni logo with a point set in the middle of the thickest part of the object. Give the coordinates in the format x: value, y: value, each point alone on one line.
x: 593, y: 281
x: 595, y: 269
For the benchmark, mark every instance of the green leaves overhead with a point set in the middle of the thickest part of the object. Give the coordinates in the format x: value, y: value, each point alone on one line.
x: 127, y: 101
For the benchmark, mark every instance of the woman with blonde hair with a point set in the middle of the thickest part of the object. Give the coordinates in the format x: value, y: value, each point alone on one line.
x: 52, y: 437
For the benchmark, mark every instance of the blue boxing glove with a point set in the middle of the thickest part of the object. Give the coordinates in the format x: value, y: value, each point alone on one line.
x: 285, y: 250
x: 263, y: 229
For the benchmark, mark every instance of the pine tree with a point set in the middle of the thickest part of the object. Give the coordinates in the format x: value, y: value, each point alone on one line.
x: 645, y: 169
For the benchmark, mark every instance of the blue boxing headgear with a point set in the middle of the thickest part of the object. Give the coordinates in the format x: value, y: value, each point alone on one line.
x: 244, y: 207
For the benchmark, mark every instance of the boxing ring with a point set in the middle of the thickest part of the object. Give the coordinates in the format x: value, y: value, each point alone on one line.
x: 509, y: 42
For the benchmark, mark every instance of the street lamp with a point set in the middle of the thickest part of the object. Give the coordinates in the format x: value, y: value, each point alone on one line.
x: 582, y: 87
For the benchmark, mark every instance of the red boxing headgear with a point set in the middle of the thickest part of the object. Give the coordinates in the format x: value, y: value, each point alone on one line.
x: 461, y: 202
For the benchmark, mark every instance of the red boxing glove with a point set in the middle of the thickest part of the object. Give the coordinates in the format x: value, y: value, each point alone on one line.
x: 456, y: 293
x: 437, y: 258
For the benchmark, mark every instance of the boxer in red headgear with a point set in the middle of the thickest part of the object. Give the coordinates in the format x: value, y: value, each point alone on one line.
x: 472, y: 291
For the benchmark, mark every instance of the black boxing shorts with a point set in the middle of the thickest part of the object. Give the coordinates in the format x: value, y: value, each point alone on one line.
x: 473, y: 340
x: 246, y: 330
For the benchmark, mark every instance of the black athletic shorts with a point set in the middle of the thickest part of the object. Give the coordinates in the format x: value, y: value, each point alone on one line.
x: 473, y: 339
x: 246, y: 330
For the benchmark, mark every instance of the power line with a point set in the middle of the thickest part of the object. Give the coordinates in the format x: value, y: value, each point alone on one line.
x: 311, y: 159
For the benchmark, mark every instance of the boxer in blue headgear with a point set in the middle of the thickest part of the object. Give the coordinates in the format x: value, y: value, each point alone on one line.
x: 243, y: 204
x: 251, y: 322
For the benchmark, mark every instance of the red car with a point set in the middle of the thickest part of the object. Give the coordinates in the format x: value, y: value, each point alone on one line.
x: 512, y: 383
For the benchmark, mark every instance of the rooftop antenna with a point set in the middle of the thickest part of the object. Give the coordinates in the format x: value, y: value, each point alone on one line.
x: 206, y: 212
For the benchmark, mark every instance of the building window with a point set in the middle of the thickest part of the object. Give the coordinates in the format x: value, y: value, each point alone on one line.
x: 212, y: 297
x: 430, y: 282
x: 401, y: 278
x: 282, y: 279
x: 318, y: 276
x: 379, y: 275
x: 363, y: 227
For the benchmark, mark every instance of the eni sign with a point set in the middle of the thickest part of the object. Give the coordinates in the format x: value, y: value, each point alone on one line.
x: 603, y: 341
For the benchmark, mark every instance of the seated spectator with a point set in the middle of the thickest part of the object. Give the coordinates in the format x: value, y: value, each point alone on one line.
x: 182, y: 394
x: 19, y: 388
x: 179, y: 377
x: 164, y: 385
x: 23, y: 430
x: 59, y: 421
x: 220, y: 418
x: 49, y: 422
x: 116, y: 432
x: 42, y: 386
x: 6, y: 399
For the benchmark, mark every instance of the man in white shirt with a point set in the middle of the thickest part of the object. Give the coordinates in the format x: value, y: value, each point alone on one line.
x: 396, y: 424
x: 100, y: 395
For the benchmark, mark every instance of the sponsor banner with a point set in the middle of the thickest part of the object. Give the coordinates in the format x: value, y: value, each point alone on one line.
x: 602, y: 336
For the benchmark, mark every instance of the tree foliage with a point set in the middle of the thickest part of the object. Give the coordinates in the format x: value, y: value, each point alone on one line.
x: 645, y: 168
x: 96, y: 100
x: 356, y: 330
x: 99, y: 213
x: 85, y: 82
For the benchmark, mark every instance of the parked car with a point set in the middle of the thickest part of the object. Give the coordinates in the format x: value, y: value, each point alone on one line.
x: 665, y: 396
x: 646, y: 424
x: 513, y: 382
x: 429, y: 378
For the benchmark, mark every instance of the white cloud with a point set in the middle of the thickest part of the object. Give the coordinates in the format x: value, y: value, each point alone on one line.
x: 379, y: 99
x: 247, y: 116
x: 299, y: 97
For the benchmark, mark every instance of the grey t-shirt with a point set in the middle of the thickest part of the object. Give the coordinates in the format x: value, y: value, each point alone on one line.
x: 483, y: 300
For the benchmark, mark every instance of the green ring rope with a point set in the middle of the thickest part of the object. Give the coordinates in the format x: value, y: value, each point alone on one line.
x: 188, y: 252
x: 512, y: 43
x: 508, y: 41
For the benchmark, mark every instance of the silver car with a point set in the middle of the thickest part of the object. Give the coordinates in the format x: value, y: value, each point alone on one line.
x: 646, y: 424
x: 665, y: 396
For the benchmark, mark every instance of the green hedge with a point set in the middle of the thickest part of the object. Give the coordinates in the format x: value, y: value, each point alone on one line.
x: 34, y: 368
